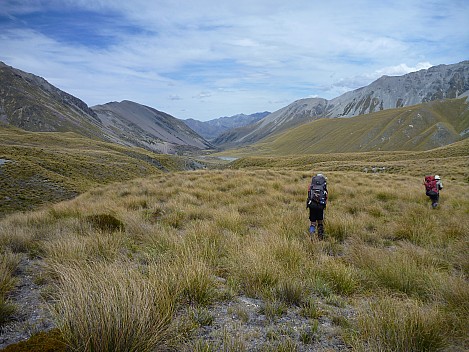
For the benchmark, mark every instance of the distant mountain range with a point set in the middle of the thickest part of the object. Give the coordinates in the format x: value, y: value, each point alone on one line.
x: 438, y: 82
x: 213, y: 128
x: 418, y: 127
x: 31, y: 103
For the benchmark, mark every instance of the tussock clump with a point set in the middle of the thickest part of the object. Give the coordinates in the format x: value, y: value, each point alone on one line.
x: 105, y: 222
x: 291, y: 292
x: 396, y: 270
x: 390, y: 324
x: 7, y: 310
x: 8, y: 264
x: 343, y: 278
x: 111, y: 307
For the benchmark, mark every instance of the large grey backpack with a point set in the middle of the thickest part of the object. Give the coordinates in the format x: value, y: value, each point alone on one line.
x: 317, y: 192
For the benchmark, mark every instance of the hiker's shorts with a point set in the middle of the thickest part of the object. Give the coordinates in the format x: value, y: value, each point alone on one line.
x: 316, y: 212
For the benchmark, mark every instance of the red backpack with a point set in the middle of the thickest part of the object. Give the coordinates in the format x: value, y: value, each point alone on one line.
x: 431, y: 188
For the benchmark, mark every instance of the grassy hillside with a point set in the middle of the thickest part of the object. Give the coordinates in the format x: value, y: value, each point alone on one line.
x: 37, y: 168
x: 416, y: 128
x: 455, y: 157
x: 220, y: 260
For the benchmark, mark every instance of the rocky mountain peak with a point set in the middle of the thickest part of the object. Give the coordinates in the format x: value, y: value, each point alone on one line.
x: 387, y: 92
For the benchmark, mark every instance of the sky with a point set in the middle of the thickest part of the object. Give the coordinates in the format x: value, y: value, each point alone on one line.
x: 205, y: 59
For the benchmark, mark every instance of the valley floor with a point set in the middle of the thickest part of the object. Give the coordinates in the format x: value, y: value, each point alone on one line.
x: 221, y: 260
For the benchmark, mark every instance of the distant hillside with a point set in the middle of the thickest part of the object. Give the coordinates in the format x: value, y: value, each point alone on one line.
x: 419, y: 127
x: 145, y: 127
x: 435, y: 83
x: 449, y: 161
x: 38, y: 168
x: 31, y: 103
x: 213, y: 128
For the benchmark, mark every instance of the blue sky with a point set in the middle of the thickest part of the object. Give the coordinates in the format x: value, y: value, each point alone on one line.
x: 205, y: 59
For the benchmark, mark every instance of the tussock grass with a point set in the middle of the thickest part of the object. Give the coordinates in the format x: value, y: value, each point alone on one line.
x: 340, y: 227
x: 109, y: 307
x: 390, y: 324
x: 288, y: 345
x: 96, y: 246
x: 8, y: 264
x: 47, y: 167
x: 395, y: 270
x: 256, y: 273
x: 273, y: 309
x: 341, y: 277
x: 195, y: 281
x: 105, y: 222
x: 310, y: 309
x: 186, y: 241
x: 291, y: 292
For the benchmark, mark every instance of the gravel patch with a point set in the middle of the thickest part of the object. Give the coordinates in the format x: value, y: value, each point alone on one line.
x: 241, y: 325
x: 31, y: 315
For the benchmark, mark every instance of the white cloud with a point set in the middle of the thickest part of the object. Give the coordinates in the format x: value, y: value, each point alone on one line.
x: 402, y: 69
x: 240, y: 56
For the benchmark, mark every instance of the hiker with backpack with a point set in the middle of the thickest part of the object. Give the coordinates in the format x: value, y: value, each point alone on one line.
x: 433, y: 185
x: 316, y: 202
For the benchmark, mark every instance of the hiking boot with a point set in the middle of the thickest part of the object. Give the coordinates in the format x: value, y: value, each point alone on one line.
x: 434, y: 205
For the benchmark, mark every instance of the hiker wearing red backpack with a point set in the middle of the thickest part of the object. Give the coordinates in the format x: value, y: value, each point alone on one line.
x: 433, y: 185
x: 316, y: 202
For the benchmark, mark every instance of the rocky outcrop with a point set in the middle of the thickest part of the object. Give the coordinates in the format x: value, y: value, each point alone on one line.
x: 435, y: 83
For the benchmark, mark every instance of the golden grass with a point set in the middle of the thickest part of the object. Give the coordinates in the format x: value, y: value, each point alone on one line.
x: 192, y: 239
x: 413, y: 163
x: 47, y: 167
x: 8, y: 264
x: 391, y: 324
x: 111, y: 307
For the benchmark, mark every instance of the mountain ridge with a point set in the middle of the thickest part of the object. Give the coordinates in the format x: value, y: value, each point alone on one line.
x: 415, y: 128
x: 31, y: 103
x: 146, y: 127
x: 213, y: 128
x: 437, y: 82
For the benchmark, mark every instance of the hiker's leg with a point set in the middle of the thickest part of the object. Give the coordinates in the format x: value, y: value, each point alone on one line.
x: 321, y: 229
x: 434, y: 201
x: 312, y: 219
x: 321, y: 224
